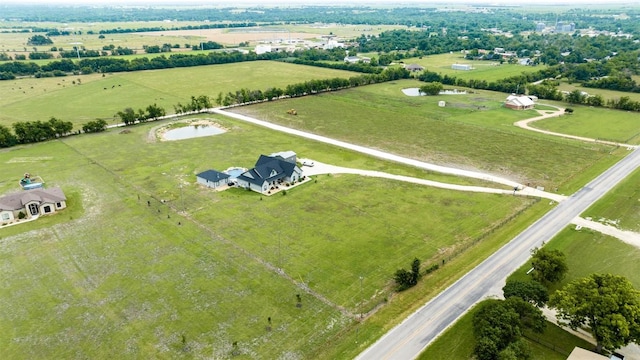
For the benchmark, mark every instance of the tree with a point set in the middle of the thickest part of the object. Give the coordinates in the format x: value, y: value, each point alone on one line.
x: 498, y: 327
x: 403, y: 278
x: 607, y: 303
x: 549, y: 265
x: 39, y: 40
x: 154, y: 111
x: 432, y: 88
x: 530, y: 291
x: 98, y: 125
x: 7, y: 139
x: 415, y: 271
x: 128, y: 116
x: 60, y: 128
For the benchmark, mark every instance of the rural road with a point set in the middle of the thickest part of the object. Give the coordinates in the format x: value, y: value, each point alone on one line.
x: 410, y: 337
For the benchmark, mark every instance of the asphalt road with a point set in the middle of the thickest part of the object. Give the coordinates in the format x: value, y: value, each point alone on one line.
x: 410, y: 337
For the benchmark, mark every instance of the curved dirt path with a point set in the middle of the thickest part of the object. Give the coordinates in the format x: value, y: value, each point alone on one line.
x: 549, y: 114
x: 321, y: 168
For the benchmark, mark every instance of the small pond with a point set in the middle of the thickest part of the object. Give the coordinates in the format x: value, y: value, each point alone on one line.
x: 416, y: 92
x: 192, y: 131
x: 412, y: 92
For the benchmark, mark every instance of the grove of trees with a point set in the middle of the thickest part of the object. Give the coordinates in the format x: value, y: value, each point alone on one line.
x: 606, y: 304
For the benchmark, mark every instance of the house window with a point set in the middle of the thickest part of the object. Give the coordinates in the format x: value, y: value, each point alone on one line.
x: 6, y: 216
x: 33, y: 209
x: 59, y: 205
x: 47, y: 209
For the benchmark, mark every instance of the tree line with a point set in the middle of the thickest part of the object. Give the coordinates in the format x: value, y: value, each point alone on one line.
x: 244, y: 96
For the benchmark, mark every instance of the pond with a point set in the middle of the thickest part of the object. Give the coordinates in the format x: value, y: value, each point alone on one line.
x: 412, y: 92
x: 192, y: 131
x: 416, y: 92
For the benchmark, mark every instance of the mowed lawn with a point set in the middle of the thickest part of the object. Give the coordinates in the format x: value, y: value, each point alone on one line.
x: 596, y: 123
x: 83, y: 98
x: 137, y: 279
x: 472, y: 131
x: 621, y: 204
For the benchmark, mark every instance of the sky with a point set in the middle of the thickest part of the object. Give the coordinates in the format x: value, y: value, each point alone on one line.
x: 309, y: 2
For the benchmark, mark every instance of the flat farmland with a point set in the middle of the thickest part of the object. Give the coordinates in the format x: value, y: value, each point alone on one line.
x: 482, y: 70
x: 606, y: 94
x: 472, y: 131
x: 82, y: 98
x: 596, y: 123
x: 197, y: 273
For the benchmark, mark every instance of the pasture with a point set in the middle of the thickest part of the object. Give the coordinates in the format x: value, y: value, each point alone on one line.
x: 596, y: 123
x: 83, y: 98
x: 124, y: 277
x: 482, y: 69
x: 472, y: 131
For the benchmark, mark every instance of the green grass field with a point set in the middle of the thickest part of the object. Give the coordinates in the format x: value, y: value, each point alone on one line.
x: 121, y: 277
x: 483, y: 70
x: 472, y: 131
x: 606, y: 94
x: 620, y: 204
x: 596, y: 123
x: 103, y: 97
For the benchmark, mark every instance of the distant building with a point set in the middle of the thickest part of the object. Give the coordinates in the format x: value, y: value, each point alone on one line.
x: 351, y: 59
x: 540, y: 27
x: 262, y: 49
x: 464, y: 67
x: 414, y: 67
x: 519, y: 102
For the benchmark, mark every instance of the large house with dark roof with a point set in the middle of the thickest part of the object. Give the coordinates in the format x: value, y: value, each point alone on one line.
x: 32, y: 203
x: 269, y: 172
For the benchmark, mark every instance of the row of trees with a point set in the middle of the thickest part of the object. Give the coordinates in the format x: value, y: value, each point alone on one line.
x: 25, y: 132
x: 129, y: 117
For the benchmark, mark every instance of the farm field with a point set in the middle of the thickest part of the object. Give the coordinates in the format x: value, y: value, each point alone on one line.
x: 472, y: 131
x: 596, y: 123
x: 16, y: 43
x: 83, y: 98
x: 483, y: 70
x: 146, y: 280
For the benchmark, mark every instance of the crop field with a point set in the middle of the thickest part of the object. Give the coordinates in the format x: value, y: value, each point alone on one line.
x: 83, y: 98
x: 120, y: 276
x: 596, y: 123
x: 482, y: 70
x: 473, y: 131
